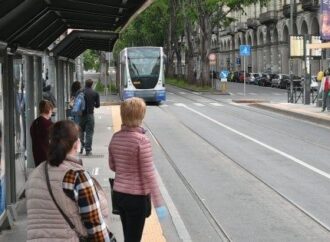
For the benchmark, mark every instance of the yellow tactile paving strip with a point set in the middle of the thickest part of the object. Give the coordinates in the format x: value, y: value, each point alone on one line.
x: 152, y: 230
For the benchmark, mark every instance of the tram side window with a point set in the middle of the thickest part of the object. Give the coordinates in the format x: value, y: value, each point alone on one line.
x: 123, y: 75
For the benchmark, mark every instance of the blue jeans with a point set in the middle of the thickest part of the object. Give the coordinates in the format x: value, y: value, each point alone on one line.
x: 86, y: 131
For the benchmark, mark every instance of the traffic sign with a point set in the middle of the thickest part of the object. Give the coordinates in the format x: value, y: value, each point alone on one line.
x: 223, y: 74
x: 212, y: 57
x: 245, y: 50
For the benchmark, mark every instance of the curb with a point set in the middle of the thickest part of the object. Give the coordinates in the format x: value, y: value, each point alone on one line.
x: 252, y: 101
x: 307, y: 117
x: 110, y: 103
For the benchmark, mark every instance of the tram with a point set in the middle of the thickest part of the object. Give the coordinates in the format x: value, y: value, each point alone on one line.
x: 141, y: 73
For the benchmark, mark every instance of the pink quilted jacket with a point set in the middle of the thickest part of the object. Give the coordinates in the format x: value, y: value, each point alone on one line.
x: 130, y: 156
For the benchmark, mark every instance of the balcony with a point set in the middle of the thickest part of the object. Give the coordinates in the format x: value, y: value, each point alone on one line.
x: 310, y: 5
x: 241, y: 27
x: 269, y: 17
x: 224, y: 32
x: 252, y: 23
x: 287, y: 10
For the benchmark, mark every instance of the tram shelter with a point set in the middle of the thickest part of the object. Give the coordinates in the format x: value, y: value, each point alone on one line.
x: 41, y: 39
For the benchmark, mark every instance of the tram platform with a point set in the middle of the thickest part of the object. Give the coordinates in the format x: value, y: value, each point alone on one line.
x: 106, y: 122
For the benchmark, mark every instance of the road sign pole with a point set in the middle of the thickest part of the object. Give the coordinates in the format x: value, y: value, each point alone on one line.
x: 244, y: 73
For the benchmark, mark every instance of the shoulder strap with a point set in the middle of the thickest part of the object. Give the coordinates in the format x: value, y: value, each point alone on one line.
x: 58, y: 207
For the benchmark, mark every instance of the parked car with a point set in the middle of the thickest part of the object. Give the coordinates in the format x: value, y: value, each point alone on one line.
x: 314, y: 84
x: 251, y: 79
x: 280, y: 80
x: 265, y: 79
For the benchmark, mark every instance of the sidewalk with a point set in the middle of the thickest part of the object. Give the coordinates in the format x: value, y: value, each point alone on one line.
x: 97, y: 165
x: 306, y: 112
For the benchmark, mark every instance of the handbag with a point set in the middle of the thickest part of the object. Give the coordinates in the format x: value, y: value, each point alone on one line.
x: 115, y: 209
x: 81, y: 237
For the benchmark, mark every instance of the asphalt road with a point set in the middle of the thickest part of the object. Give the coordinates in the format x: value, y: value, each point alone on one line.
x: 236, y: 173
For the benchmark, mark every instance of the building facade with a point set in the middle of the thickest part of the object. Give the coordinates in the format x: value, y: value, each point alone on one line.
x: 267, y: 30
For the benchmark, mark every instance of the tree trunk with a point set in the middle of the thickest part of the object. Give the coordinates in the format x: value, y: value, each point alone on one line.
x: 103, y: 68
x: 206, y: 35
x: 191, y: 70
x: 172, y: 41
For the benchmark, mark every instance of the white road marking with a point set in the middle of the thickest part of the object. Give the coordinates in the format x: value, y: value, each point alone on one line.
x: 164, y: 105
x: 290, y: 157
x: 278, y: 94
x: 217, y: 104
x: 182, y: 92
x: 199, y: 104
x: 179, y: 104
x: 197, y: 93
x: 240, y: 93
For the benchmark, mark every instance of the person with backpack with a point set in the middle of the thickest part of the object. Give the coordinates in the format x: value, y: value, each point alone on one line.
x: 92, y: 100
x: 77, y: 102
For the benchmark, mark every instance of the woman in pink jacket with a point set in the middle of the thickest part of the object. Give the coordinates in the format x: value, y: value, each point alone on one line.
x: 130, y: 157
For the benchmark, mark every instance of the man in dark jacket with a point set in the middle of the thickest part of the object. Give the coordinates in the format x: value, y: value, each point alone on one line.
x: 92, y: 100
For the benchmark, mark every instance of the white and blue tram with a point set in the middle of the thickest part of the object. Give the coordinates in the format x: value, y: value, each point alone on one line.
x: 141, y: 73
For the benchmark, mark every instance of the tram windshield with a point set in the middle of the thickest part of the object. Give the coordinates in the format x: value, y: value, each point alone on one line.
x: 144, y: 62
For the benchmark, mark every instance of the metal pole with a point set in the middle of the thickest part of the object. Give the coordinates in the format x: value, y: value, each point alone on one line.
x: 212, y: 75
x: 290, y: 60
x: 29, y: 82
x: 244, y: 72
x: 307, y: 76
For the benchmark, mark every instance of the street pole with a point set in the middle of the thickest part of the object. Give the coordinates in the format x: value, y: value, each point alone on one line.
x: 307, y: 72
x: 290, y: 60
x: 244, y: 72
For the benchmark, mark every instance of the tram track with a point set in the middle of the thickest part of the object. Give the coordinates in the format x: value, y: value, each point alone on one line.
x: 222, y: 234
x: 213, y: 221
x: 242, y: 117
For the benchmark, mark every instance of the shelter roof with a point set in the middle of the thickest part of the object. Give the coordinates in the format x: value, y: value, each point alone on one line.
x: 78, y: 41
x: 35, y: 24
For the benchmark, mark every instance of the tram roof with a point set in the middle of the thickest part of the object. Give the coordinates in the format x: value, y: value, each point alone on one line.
x: 78, y: 41
x: 36, y: 24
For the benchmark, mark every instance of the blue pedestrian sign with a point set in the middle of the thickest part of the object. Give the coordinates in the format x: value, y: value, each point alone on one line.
x: 245, y: 50
x: 223, y: 74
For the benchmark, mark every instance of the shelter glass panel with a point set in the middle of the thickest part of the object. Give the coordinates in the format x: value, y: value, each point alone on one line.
x: 20, y: 125
x: 2, y: 155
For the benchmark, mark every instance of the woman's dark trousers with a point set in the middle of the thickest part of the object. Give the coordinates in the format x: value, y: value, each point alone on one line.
x: 132, y: 209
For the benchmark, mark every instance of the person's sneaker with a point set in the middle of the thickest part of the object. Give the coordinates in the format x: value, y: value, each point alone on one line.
x: 88, y: 153
x: 81, y: 150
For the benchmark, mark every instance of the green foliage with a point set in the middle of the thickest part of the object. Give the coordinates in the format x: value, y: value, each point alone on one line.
x: 184, y: 84
x: 148, y: 29
x: 91, y: 60
x: 113, y: 88
x: 99, y: 86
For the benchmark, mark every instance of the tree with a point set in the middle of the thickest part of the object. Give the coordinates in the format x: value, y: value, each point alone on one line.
x: 91, y: 60
x: 207, y: 15
x: 175, y: 32
x: 148, y: 29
